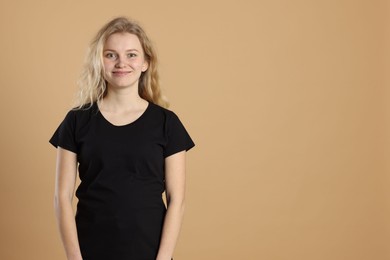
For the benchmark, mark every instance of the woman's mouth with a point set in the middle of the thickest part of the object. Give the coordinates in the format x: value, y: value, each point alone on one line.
x: 121, y: 73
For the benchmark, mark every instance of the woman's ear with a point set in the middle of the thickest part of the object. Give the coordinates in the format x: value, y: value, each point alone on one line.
x: 145, y: 66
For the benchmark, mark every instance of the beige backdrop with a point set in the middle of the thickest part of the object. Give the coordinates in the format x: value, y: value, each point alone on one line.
x: 286, y: 100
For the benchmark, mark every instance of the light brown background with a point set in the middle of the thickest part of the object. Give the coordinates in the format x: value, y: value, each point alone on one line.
x: 287, y: 102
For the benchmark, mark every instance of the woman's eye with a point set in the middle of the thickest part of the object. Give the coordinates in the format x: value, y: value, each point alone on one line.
x: 131, y: 55
x: 110, y: 55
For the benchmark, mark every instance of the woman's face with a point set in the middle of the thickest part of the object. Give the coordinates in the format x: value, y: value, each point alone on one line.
x: 123, y: 60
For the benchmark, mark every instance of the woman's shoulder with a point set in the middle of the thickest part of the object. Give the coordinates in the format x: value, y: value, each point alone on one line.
x: 162, y: 110
x: 84, y: 109
x: 81, y: 113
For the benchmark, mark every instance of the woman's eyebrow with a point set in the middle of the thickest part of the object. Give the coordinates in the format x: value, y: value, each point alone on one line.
x: 126, y: 50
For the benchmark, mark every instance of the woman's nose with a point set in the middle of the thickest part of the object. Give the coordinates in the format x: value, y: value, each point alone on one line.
x: 120, y: 62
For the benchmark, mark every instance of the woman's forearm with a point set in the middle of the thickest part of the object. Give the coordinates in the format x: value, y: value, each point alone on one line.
x: 171, y: 230
x: 67, y: 227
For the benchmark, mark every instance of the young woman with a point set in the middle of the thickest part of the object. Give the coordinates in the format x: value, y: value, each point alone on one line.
x: 128, y: 149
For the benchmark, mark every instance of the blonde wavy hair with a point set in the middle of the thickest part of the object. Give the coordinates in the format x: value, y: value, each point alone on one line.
x: 93, y: 86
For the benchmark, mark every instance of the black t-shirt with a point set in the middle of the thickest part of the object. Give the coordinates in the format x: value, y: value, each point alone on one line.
x: 120, y: 211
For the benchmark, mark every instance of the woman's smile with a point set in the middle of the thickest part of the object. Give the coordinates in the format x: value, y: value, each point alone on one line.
x: 121, y: 73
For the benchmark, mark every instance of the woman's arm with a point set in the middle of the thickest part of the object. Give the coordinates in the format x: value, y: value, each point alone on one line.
x: 175, y: 191
x: 66, y: 172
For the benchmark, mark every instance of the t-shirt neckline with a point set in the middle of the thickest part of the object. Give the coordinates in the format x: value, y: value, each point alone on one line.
x: 128, y: 124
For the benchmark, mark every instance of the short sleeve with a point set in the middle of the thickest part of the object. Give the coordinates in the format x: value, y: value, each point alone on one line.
x: 64, y: 136
x: 177, y: 136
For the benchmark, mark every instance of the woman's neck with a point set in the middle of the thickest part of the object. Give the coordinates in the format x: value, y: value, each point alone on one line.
x: 122, y: 100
